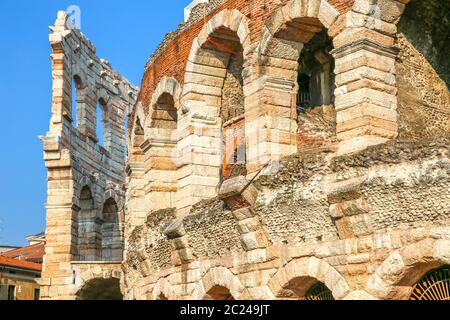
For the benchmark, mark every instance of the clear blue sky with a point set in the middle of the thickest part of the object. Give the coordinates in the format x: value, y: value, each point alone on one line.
x: 124, y: 32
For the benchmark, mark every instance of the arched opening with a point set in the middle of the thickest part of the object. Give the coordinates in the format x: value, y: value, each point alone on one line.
x: 101, y: 289
x: 305, y: 288
x: 89, y: 233
x: 306, y: 42
x: 161, y: 165
x: 212, y: 111
x: 75, y: 92
x: 101, y: 122
x: 162, y: 297
x: 226, y: 43
x: 219, y: 293
x: 165, y: 114
x: 112, y: 243
x: 316, y: 74
x: 434, y: 285
x: 137, y: 155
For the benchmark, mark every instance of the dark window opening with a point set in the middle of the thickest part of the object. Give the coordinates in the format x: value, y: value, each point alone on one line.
x: 37, y: 294
x: 12, y: 293
x: 304, y: 95
x: 316, y: 74
x: 101, y: 121
x: 76, y: 86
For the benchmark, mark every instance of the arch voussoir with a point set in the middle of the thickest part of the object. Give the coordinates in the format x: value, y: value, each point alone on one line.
x: 310, y: 268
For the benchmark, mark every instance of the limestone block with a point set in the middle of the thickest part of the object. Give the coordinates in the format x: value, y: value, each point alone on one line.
x: 327, y: 14
x: 249, y: 225
x: 366, y: 96
x: 388, y: 10
x: 349, y: 208
x: 175, y: 229
x: 243, y: 214
x: 238, y: 193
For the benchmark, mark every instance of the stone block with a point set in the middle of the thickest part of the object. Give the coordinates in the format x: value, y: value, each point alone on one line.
x: 175, y: 229
x: 238, y: 193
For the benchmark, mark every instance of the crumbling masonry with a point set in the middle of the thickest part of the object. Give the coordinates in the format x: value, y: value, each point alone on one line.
x: 293, y: 149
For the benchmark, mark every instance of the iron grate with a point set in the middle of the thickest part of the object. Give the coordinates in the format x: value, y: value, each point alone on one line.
x: 435, y: 285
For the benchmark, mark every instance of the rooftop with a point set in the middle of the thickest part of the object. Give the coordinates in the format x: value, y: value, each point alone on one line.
x: 8, y: 262
x: 32, y: 253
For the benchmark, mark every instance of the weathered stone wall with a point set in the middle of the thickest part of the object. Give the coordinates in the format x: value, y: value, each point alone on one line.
x: 340, y: 220
x: 423, y: 70
x: 84, y: 227
x: 362, y: 206
x: 359, y: 200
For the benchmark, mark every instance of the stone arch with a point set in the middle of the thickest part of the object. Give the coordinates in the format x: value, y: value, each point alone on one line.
x: 395, y: 277
x: 78, y: 95
x: 218, y: 61
x: 320, y: 10
x: 218, y: 279
x: 103, y: 95
x: 111, y: 231
x: 136, y: 136
x: 170, y: 86
x: 163, y: 291
x: 233, y: 20
x: 298, y: 276
x: 79, y: 72
x: 88, y: 226
x: 160, y: 147
x: 105, y: 286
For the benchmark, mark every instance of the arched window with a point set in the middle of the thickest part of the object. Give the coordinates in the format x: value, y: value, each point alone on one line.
x: 316, y: 74
x: 76, y: 86
x: 435, y: 285
x: 219, y: 293
x: 136, y: 153
x: 112, y: 243
x: 89, y: 237
x: 100, y: 289
x: 101, y: 121
x: 227, y: 43
x: 164, y: 113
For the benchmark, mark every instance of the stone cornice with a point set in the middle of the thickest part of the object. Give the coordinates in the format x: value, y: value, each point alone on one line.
x: 364, y: 44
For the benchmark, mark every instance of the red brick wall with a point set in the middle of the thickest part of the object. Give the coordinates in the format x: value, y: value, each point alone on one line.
x: 172, y: 61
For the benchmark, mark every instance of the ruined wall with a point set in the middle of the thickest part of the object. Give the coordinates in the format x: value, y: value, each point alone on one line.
x: 423, y: 70
x: 359, y: 201
x: 348, y: 205
x: 83, y: 227
x: 340, y: 220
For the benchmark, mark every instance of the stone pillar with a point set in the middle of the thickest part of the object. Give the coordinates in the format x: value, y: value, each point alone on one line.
x: 199, y: 154
x: 240, y: 195
x: 136, y: 208
x: 270, y: 118
x: 61, y: 224
x: 182, y: 253
x: 366, y: 93
x: 160, y: 173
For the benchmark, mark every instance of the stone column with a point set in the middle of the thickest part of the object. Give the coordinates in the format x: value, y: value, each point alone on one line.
x: 199, y: 147
x: 366, y: 93
x: 270, y: 118
x: 160, y: 173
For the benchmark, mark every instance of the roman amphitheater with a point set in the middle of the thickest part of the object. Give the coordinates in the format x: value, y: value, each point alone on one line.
x: 277, y: 149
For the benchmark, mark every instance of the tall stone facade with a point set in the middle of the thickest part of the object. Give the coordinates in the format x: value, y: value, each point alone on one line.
x: 86, y: 172
x: 240, y: 185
